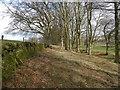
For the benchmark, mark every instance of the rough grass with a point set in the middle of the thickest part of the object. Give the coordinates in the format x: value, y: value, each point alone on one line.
x: 10, y: 41
x: 57, y: 68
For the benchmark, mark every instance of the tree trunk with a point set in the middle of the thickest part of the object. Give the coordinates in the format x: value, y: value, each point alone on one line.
x: 77, y: 44
x: 86, y: 47
x: 89, y: 27
x: 62, y: 42
x: 79, y: 37
x: 68, y: 34
x: 66, y: 44
x: 69, y: 43
x: 79, y: 41
x: 86, y: 42
x: 107, y: 46
x: 89, y: 48
x: 72, y: 42
x: 116, y: 33
x: 66, y: 40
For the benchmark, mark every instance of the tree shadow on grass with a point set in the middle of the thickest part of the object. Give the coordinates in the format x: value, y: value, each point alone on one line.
x: 58, y: 70
x: 62, y: 74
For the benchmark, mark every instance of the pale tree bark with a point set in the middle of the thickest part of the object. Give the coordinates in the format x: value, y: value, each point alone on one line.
x: 79, y: 15
x: 67, y: 26
x: 72, y: 33
x: 89, y: 31
x: 60, y: 16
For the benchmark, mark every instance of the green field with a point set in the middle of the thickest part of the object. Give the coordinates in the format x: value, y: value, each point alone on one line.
x: 10, y: 41
x: 101, y: 49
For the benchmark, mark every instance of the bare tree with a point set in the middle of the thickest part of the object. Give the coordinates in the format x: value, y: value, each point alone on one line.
x: 116, y: 33
x: 56, y: 20
x: 108, y: 29
x: 92, y: 31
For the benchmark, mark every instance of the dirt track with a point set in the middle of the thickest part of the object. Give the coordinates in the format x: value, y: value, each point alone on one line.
x: 58, y: 68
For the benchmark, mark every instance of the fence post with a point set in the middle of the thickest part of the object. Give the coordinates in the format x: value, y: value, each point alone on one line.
x: 2, y: 37
x: 23, y: 39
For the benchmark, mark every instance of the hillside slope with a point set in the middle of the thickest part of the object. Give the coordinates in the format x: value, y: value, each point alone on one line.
x: 58, y: 68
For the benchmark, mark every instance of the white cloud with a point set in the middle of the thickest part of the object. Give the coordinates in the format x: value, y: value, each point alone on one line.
x: 4, y: 23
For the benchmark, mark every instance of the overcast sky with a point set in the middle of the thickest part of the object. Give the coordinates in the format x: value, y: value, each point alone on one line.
x: 4, y: 23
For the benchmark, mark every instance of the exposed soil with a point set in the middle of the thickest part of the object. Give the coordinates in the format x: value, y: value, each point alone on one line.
x: 58, y: 68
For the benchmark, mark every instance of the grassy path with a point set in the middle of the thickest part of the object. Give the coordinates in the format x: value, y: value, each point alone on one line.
x: 57, y: 68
